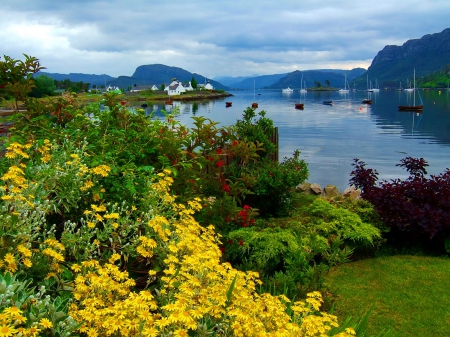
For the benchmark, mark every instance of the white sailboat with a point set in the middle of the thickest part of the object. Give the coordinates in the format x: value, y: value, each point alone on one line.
x: 413, y: 107
x: 302, y: 88
x: 346, y: 89
x: 287, y: 90
x: 376, y: 88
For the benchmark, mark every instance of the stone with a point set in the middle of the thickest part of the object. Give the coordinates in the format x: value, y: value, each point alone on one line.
x: 352, y: 193
x: 304, y: 187
x: 330, y: 191
x: 316, y: 189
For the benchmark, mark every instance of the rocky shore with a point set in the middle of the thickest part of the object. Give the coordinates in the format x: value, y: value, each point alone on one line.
x: 329, y: 191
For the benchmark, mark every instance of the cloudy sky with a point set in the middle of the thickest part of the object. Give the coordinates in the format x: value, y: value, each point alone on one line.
x: 214, y: 37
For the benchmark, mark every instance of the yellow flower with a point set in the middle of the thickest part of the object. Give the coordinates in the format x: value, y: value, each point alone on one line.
x: 76, y: 268
x: 45, y: 323
x: 12, y: 311
x: 27, y: 263
x: 91, y: 224
x: 9, y: 258
x: 6, y: 330
x: 24, y: 251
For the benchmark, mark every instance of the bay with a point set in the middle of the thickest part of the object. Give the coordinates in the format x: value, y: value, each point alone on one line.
x: 330, y: 137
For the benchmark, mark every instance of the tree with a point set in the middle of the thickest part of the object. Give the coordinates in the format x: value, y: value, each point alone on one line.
x: 194, y: 82
x: 44, y: 86
x: 162, y: 86
x: 16, y: 78
x: 317, y: 84
x: 328, y: 83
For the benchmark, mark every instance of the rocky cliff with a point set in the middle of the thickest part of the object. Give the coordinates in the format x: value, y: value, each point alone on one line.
x: 396, y: 63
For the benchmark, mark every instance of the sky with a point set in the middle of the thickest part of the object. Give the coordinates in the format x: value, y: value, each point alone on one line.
x: 212, y: 38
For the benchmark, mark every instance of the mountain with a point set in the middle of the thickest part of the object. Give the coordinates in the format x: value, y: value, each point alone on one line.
x: 229, y: 81
x: 77, y: 77
x: 396, y: 63
x: 258, y: 81
x: 159, y: 74
x: 334, y: 76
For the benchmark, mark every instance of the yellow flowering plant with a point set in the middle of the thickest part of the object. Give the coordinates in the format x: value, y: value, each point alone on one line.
x: 189, y: 291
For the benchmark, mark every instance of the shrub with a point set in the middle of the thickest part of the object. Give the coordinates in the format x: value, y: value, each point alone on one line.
x: 417, y: 208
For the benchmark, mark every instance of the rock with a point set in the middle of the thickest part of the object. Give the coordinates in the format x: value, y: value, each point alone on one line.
x: 351, y: 193
x: 304, y: 187
x: 330, y: 191
x: 316, y: 189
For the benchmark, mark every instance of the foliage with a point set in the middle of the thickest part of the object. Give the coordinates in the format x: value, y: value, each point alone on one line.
x: 44, y: 86
x: 30, y: 312
x: 294, y: 259
x: 415, y: 209
x: 98, y: 206
x: 271, y: 183
x: 16, y: 78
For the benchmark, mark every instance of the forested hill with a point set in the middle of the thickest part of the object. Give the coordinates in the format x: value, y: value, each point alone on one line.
x: 159, y: 74
x: 393, y: 64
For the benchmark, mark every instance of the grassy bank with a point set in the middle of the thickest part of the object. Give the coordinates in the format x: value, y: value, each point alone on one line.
x: 410, y: 294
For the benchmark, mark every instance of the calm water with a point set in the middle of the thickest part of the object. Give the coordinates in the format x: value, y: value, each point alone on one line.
x: 329, y: 137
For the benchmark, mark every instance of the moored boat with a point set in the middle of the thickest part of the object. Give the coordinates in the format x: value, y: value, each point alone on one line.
x: 366, y: 101
x: 254, y: 105
x: 228, y: 104
x: 299, y: 106
x: 327, y: 102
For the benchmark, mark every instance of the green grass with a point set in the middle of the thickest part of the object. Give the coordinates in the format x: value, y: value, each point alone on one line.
x: 411, y: 294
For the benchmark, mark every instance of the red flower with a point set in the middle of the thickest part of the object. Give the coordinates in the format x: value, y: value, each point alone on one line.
x: 246, y: 207
x: 212, y: 141
x: 226, y: 188
x: 219, y: 163
x: 235, y: 143
x: 219, y: 151
x: 222, y: 249
x: 241, y: 243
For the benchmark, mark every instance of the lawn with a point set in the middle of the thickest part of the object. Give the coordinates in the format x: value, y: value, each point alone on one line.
x: 411, y: 294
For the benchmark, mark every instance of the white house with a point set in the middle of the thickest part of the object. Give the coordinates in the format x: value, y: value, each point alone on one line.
x: 208, y: 86
x: 175, y: 88
x: 188, y: 87
x: 155, y: 87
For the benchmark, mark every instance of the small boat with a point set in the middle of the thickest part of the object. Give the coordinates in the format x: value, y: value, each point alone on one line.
x: 299, y: 106
x: 413, y: 107
x: 346, y: 89
x: 327, y: 102
x: 400, y: 88
x: 168, y: 102
x: 254, y: 105
x: 287, y: 90
x: 144, y: 105
x: 228, y: 104
x: 368, y: 100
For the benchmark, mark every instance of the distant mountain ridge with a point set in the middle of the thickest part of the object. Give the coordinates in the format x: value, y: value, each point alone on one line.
x: 78, y: 77
x: 336, y: 77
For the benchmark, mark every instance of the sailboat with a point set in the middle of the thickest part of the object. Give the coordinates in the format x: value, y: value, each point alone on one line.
x: 413, y: 107
x: 367, y: 100
x: 302, y: 88
x: 400, y: 88
x: 345, y: 85
x: 376, y: 88
x: 287, y: 90
x: 408, y: 83
x: 254, y: 104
